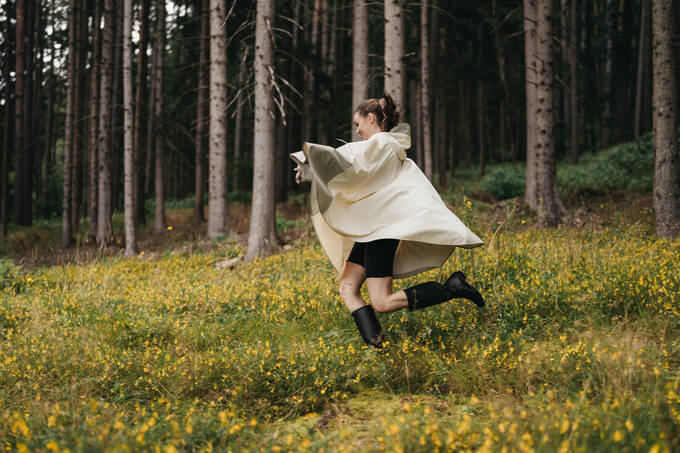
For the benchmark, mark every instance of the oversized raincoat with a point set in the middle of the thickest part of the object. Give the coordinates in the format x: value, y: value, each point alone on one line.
x: 368, y: 190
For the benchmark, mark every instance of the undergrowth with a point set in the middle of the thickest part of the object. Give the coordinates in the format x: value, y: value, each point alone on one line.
x: 578, y: 349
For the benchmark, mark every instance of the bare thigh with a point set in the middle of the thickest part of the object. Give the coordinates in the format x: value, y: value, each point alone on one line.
x: 382, y: 298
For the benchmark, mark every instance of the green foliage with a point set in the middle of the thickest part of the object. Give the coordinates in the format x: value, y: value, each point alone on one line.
x: 504, y: 181
x: 624, y: 167
x: 282, y: 224
x: 628, y: 166
x: 11, y: 276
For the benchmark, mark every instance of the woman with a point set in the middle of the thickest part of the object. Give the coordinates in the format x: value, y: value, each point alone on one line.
x: 378, y: 218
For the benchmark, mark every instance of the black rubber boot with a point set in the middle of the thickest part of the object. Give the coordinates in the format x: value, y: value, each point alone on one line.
x: 427, y: 294
x: 368, y: 326
x: 460, y: 288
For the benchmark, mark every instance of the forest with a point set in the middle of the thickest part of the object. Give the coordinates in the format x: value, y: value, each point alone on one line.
x: 186, y: 73
x: 162, y: 284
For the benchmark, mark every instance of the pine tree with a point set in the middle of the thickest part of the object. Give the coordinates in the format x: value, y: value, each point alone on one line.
x: 218, y: 219
x: 262, y: 235
x: 665, y: 101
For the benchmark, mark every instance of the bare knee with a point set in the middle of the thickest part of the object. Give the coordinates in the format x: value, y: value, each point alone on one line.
x: 348, y: 289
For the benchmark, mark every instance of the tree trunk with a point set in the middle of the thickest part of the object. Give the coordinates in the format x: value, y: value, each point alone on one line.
x: 414, y: 119
x: 240, y: 107
x: 19, y: 114
x: 7, y: 135
x: 425, y: 83
x: 117, y: 110
x: 440, y: 118
x: 573, y: 84
x: 29, y: 137
x: 499, y: 42
x: 141, y: 128
x: 609, y: 29
x: 104, y: 230
x: 394, y: 50
x: 324, y: 89
x: 549, y: 207
x: 360, y: 47
x: 78, y: 115
x: 451, y: 142
x: 481, y: 126
x: 643, y: 64
x: 310, y: 79
x: 530, y: 88
x: 203, y: 87
x: 218, y: 219
x: 69, y: 128
x: 666, y: 159
x: 94, y: 115
x: 128, y: 123
x: 262, y: 235
x: 37, y: 107
x: 148, y: 146
x: 158, y: 52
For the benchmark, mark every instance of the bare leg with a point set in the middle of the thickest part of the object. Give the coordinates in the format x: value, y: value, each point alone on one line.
x: 383, y: 299
x: 353, y: 276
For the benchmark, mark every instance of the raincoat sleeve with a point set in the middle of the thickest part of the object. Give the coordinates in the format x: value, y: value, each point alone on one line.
x: 350, y: 172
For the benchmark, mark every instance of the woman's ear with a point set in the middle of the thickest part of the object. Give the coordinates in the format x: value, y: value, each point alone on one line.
x: 371, y: 118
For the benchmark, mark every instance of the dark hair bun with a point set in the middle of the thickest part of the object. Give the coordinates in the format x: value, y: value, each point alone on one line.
x: 392, y: 116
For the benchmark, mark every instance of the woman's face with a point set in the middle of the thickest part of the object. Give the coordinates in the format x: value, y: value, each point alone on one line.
x: 366, y: 125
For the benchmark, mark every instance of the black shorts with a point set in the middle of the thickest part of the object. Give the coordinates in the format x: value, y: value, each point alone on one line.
x: 377, y: 257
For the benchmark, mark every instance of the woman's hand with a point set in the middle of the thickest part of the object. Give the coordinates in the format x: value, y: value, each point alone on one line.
x: 298, y: 174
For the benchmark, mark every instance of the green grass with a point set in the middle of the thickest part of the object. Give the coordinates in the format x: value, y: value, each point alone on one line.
x: 578, y: 348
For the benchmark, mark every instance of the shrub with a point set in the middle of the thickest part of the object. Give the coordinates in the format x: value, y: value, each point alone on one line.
x: 627, y: 166
x: 504, y: 181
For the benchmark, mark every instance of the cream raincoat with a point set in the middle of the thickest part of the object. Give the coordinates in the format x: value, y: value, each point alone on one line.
x: 368, y: 190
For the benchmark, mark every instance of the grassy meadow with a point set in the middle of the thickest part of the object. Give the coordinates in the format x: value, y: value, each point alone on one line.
x: 577, y: 350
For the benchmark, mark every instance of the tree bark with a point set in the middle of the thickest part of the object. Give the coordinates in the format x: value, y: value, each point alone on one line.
x: 203, y: 87
x: 69, y: 128
x: 440, y: 103
x: 104, y: 230
x: 665, y: 99
x: 481, y: 126
x: 425, y: 84
x: 573, y: 84
x: 218, y: 219
x: 159, y: 181
x: 308, y: 100
x: 19, y: 114
x: 499, y: 42
x: 548, y: 205
x: 94, y: 115
x: 141, y: 129
x: 643, y: 64
x: 394, y: 50
x: 78, y: 115
x: 240, y: 107
x: 360, y: 46
x: 29, y: 137
x: 128, y: 126
x: 530, y: 95
x: 7, y: 135
x: 323, y: 89
x: 117, y: 110
x: 609, y: 29
x: 262, y: 235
